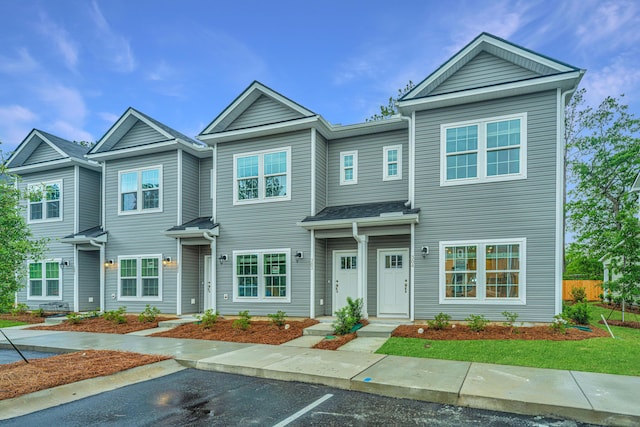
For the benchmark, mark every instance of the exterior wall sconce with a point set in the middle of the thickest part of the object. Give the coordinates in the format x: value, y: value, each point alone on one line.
x: 166, y: 260
x: 425, y: 251
x: 299, y: 255
x: 64, y: 263
x: 223, y: 258
x: 109, y: 263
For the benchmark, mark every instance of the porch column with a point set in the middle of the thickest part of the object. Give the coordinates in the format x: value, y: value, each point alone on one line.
x: 363, y: 245
x: 312, y: 276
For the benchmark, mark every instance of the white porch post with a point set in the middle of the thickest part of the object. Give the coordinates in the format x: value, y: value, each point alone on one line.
x: 312, y: 276
x: 363, y: 245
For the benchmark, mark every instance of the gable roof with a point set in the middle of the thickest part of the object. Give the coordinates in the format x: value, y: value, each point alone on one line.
x: 50, y: 152
x: 546, y: 73
x: 246, y: 99
x: 167, y: 137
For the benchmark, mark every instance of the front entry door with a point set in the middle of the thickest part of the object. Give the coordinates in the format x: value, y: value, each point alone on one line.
x: 345, y: 277
x: 208, y: 288
x: 393, y: 282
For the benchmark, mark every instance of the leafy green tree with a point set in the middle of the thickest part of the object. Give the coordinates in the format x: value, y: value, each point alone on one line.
x: 391, y: 109
x: 602, y: 212
x: 17, y: 244
x: 579, y: 264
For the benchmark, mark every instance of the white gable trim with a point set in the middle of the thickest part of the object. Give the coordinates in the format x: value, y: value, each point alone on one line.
x: 28, y: 141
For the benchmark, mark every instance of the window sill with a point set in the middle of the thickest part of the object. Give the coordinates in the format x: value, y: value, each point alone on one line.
x: 39, y: 221
x: 470, y: 301
x: 45, y: 298
x: 262, y: 300
x: 136, y: 299
x: 142, y: 212
x: 258, y: 201
x: 465, y: 181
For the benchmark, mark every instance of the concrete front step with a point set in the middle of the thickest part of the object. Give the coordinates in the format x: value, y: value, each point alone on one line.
x: 374, y: 330
x: 177, y: 322
x: 319, y: 329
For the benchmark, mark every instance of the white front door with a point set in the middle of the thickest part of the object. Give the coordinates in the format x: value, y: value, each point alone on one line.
x: 345, y: 277
x: 208, y: 288
x: 393, y: 282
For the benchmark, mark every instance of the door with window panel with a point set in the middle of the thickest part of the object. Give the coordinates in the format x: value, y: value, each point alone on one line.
x: 393, y: 283
x: 345, y: 278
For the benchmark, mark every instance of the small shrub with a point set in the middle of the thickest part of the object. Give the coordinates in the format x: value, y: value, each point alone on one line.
x: 578, y: 294
x: 477, y: 322
x: 355, y: 308
x: 38, y: 312
x: 208, y: 319
x: 601, y: 297
x: 278, y: 319
x: 243, y: 321
x: 344, y: 321
x: 579, y: 313
x: 440, y: 322
x: 19, y: 309
x: 511, y: 320
x: 559, y: 323
x: 116, y: 316
x: 149, y: 314
x: 74, y: 318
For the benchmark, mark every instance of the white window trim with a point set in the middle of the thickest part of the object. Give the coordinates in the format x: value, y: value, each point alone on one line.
x: 139, y: 209
x: 261, y: 190
x: 44, y: 203
x: 343, y: 154
x: 44, y: 281
x: 482, y: 151
x: 139, y: 278
x: 385, y: 163
x: 480, y: 298
x: 261, y: 298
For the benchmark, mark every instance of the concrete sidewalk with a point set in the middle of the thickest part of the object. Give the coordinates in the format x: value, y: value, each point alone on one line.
x: 582, y: 396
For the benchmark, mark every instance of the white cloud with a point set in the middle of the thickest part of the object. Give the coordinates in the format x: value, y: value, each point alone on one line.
x: 22, y: 63
x: 67, y: 102
x: 69, y: 131
x: 108, y: 117
x: 621, y: 77
x: 15, y: 122
x: 116, y: 48
x: 60, y: 38
x: 613, y: 23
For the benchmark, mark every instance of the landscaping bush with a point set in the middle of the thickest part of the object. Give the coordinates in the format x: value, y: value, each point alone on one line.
x: 440, y: 322
x: 559, y: 323
x: 579, y: 313
x: 208, y: 319
x: 116, y: 316
x: 511, y: 320
x: 149, y: 314
x: 243, y: 321
x: 477, y: 322
x: 74, y: 318
x: 578, y: 294
x: 38, y: 312
x: 19, y: 309
x: 355, y: 308
x: 348, y: 316
x: 278, y: 318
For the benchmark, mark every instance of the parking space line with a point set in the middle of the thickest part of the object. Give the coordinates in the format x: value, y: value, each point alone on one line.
x: 303, y: 411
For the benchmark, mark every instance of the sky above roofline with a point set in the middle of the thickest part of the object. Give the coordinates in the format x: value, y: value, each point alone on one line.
x: 72, y: 67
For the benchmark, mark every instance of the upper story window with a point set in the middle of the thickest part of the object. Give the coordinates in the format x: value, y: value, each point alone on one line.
x: 140, y: 190
x: 45, y: 201
x: 262, y: 176
x: 482, y: 271
x: 348, y: 167
x: 392, y: 163
x: 485, y: 150
x: 44, y: 280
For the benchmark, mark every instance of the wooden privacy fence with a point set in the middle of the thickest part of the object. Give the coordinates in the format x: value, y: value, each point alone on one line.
x: 592, y: 287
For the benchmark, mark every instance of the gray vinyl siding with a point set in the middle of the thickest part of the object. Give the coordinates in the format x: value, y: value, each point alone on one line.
x: 190, y: 279
x: 89, y: 196
x: 142, y: 234
x: 206, y: 203
x: 495, y: 210
x: 139, y: 134
x: 190, y: 190
x: 321, y: 173
x: 370, y: 186
x: 264, y: 110
x: 483, y: 70
x: 269, y: 225
x: 43, y: 153
x: 89, y: 280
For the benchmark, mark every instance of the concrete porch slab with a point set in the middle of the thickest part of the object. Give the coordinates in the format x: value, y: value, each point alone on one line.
x: 363, y: 344
x: 305, y: 341
x: 376, y: 330
x: 319, y: 329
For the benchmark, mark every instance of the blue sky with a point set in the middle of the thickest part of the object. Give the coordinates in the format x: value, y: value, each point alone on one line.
x: 72, y: 67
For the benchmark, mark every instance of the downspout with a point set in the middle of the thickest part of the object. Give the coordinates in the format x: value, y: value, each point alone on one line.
x: 411, y: 160
x: 213, y: 278
x: 102, y: 273
x: 362, y: 267
x: 410, y: 204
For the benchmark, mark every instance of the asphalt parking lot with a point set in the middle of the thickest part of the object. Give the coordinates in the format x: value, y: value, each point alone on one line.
x: 193, y: 398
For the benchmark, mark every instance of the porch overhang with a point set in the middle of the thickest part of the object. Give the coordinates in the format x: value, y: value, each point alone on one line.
x: 194, y: 229
x: 95, y: 234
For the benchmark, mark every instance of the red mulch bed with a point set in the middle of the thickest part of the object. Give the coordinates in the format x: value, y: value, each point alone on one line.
x: 26, y: 318
x: 626, y: 323
x: 20, y: 378
x: 99, y: 324
x: 496, y: 332
x: 260, y: 331
x: 335, y: 343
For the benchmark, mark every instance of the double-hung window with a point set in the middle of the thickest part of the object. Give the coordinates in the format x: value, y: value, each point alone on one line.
x: 140, y: 190
x: 484, y: 150
x: 262, y: 275
x: 44, y: 280
x: 45, y: 201
x: 486, y: 271
x: 262, y: 176
x: 392, y: 163
x: 348, y: 167
x: 139, y: 278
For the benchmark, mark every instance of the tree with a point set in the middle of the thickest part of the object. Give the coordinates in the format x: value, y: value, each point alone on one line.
x: 603, y: 163
x: 17, y: 244
x: 579, y: 265
x: 391, y: 109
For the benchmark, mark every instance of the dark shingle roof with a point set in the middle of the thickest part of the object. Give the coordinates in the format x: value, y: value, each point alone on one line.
x: 91, y: 232
x: 202, y: 223
x: 170, y: 131
x: 364, y: 210
x: 70, y: 148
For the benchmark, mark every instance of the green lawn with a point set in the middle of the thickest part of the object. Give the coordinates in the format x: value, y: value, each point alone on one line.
x: 8, y: 323
x: 606, y: 355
